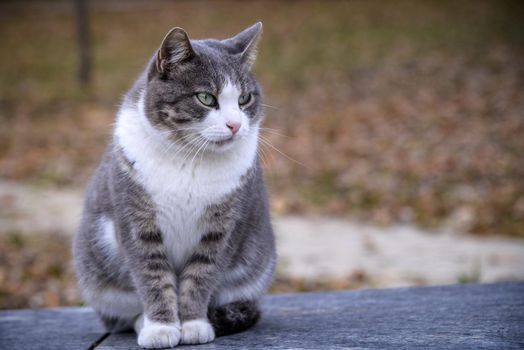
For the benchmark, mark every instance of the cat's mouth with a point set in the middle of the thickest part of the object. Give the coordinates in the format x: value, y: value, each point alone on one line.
x: 223, y: 142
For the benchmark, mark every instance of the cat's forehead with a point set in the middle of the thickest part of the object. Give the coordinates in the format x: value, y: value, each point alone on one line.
x: 214, y: 49
x: 220, y: 65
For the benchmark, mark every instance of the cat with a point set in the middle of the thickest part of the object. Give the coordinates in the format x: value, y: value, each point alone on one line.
x: 175, y: 239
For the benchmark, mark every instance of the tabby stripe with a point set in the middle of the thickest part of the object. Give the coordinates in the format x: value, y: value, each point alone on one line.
x: 213, y: 237
x: 167, y: 286
x: 196, y: 280
x: 158, y: 265
x: 157, y: 256
x: 163, y: 289
x: 150, y: 236
x: 199, y: 258
x: 162, y: 315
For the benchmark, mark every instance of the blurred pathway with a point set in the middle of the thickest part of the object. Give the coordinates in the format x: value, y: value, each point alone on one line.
x: 310, y: 247
x: 393, y: 256
x: 26, y: 208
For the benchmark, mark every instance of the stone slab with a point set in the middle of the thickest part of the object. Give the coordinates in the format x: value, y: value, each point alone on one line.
x: 452, y: 317
x: 49, y: 329
x: 485, y: 316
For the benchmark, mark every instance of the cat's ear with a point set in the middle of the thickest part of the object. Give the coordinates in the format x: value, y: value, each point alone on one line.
x: 175, y: 49
x: 245, y: 43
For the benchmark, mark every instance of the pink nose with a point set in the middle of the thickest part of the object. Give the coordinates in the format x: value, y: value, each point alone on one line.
x: 233, y: 126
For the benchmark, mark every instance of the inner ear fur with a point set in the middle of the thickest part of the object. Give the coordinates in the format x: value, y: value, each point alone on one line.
x: 175, y: 49
x: 246, y: 42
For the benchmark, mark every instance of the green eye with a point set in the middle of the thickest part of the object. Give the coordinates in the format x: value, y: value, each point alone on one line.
x: 207, y: 99
x: 244, y: 99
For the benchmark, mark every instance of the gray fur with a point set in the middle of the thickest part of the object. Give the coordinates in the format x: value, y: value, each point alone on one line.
x: 239, y: 232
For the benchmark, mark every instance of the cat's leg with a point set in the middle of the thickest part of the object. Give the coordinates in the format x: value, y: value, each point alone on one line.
x: 145, y: 257
x: 102, y: 274
x: 153, y: 277
x: 155, y: 335
x: 197, y: 281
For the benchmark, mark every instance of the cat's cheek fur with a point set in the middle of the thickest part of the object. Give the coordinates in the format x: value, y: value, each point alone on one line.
x: 197, y: 332
x: 156, y: 335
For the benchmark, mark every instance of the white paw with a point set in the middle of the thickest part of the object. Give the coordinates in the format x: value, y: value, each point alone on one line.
x: 197, y: 332
x: 155, y: 335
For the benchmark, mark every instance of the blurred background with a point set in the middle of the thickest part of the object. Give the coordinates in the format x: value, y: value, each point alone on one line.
x: 396, y: 131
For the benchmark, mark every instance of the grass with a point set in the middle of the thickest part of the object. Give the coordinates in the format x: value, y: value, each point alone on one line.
x: 400, y: 112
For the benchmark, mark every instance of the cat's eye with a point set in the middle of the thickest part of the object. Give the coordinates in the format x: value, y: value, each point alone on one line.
x: 207, y: 99
x: 244, y: 99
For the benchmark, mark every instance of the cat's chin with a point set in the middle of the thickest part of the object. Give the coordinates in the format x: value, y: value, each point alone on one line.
x: 223, y: 145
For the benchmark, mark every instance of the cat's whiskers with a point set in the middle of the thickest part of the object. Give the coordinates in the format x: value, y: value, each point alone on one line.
x: 273, y: 131
x: 266, y: 105
x: 195, y: 145
x: 177, y: 142
x: 170, y: 145
x: 203, y: 148
x: 187, y: 144
x: 263, y: 157
x: 206, y: 141
x: 188, y: 139
x: 268, y: 143
x: 194, y: 128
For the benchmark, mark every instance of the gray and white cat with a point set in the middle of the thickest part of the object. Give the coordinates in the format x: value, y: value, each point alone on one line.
x: 176, y: 240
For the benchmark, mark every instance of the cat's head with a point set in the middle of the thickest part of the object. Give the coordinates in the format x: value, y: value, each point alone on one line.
x: 203, y: 92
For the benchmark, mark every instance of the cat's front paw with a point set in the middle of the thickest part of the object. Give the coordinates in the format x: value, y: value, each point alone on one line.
x: 156, y: 335
x: 197, y: 332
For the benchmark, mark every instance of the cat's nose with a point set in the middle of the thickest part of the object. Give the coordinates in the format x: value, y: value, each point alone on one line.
x: 233, y: 126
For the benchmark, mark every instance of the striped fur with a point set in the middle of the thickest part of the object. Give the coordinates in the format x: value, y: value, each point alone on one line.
x: 176, y: 244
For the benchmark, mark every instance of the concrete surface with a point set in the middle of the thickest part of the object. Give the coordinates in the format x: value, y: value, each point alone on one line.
x: 489, y: 316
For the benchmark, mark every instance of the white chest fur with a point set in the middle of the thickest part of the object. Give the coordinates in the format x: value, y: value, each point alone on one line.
x: 181, y: 193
